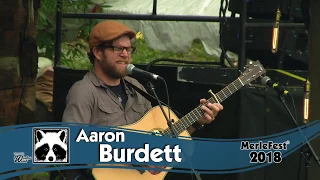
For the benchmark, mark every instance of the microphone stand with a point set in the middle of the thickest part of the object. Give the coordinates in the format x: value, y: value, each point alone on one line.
x: 152, y: 88
x: 310, y: 151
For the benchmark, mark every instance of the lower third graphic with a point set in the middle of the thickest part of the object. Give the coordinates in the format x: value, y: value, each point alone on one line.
x: 51, y: 145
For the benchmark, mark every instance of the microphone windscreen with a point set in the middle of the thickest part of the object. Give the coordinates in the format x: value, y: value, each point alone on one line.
x: 129, y: 69
x: 264, y: 80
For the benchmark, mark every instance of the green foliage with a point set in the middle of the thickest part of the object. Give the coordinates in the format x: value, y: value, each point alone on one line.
x: 74, y: 55
x: 47, y: 24
x: 46, y: 29
x: 144, y: 54
x: 40, y: 176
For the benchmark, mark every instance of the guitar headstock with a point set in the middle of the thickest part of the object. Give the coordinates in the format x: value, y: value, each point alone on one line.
x: 252, y: 71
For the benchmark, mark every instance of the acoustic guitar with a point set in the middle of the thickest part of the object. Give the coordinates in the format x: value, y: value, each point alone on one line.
x: 154, y: 121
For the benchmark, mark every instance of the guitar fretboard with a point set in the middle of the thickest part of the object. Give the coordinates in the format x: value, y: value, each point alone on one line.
x: 197, y: 113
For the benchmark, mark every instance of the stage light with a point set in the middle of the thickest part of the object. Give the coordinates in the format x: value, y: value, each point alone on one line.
x: 306, y: 101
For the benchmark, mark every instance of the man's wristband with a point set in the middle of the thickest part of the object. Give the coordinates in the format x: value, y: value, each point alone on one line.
x: 196, y: 125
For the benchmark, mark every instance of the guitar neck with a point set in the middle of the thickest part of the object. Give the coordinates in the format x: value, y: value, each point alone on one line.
x: 197, y: 113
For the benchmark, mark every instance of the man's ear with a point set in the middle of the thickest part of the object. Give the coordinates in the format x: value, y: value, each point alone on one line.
x: 97, y: 53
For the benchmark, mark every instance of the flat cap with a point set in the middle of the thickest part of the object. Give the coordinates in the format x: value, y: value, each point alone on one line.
x: 107, y: 31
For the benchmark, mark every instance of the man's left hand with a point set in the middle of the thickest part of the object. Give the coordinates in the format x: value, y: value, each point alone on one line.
x: 210, y: 112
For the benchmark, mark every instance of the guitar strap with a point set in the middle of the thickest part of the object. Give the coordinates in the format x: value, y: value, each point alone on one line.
x: 148, y: 96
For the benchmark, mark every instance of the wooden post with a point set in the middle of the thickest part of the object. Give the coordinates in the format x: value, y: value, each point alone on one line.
x: 18, y: 61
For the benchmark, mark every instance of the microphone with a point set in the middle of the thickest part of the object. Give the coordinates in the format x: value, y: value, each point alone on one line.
x: 275, y: 33
x: 306, y: 101
x: 134, y: 71
x: 267, y: 81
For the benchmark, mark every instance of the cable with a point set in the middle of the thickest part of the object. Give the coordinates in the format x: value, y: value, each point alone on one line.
x: 168, y: 98
x: 301, y: 149
x: 306, y: 140
x: 294, y: 119
x: 169, y: 123
x: 178, y: 61
x: 167, y: 92
x: 294, y: 106
x: 223, y: 22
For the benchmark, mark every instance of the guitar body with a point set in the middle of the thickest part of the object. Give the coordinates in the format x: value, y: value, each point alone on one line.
x: 152, y: 121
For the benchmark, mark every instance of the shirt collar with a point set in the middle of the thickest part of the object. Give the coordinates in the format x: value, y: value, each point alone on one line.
x: 98, y: 82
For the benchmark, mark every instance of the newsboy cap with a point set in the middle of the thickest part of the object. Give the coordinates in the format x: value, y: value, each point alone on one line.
x: 107, y: 31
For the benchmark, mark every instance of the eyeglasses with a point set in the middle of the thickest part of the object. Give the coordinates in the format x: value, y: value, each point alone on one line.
x: 119, y: 50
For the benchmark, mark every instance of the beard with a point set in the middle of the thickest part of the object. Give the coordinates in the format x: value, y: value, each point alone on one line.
x: 112, y: 70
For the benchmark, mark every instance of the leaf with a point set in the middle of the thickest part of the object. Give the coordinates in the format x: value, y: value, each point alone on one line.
x: 42, y: 15
x: 68, y: 53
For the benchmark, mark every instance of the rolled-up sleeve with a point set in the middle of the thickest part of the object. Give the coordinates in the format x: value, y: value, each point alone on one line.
x: 79, y: 105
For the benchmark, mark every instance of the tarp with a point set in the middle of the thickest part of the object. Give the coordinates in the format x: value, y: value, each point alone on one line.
x: 172, y: 35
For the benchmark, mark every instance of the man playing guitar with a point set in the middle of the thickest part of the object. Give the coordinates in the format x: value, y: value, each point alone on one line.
x: 103, y: 96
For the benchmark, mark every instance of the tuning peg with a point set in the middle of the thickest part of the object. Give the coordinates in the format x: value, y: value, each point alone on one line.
x: 240, y: 71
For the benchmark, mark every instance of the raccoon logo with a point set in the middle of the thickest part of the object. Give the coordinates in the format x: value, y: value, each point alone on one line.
x: 51, y: 146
